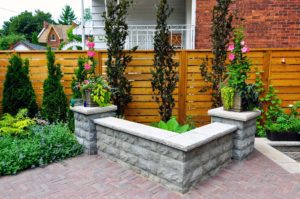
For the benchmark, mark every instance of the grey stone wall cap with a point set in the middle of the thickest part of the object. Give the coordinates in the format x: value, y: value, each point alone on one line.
x: 283, y: 143
x: 93, y: 110
x: 239, y: 116
x: 184, y: 142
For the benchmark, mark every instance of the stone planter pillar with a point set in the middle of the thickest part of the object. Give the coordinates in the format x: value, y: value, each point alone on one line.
x: 245, y: 135
x: 85, y: 129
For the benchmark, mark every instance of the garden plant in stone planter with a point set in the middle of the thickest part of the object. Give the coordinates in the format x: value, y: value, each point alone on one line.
x: 236, y: 94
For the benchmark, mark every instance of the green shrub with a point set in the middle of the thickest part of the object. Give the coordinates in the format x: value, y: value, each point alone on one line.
x: 54, y: 107
x: 7, y: 41
x: 18, y: 92
x: 284, y: 124
x: 43, y: 145
x: 10, y: 125
x: 172, y: 125
x: 78, y: 79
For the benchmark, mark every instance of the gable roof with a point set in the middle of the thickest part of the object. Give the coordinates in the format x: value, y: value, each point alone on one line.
x: 29, y: 45
x: 61, y: 31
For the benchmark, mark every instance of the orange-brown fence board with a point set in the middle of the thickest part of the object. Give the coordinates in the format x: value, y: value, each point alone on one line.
x: 285, y: 77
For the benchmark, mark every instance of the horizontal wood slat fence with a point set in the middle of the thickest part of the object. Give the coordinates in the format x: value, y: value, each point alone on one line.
x: 189, y: 101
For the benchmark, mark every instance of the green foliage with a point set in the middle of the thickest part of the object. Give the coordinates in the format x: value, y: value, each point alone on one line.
x: 87, y: 14
x: 18, y: 92
x: 250, y: 97
x: 284, y: 124
x: 15, y: 125
x: 221, y: 33
x: 43, y: 145
x: 227, y: 94
x: 7, y: 41
x: 172, y: 125
x: 71, y: 36
x: 27, y: 24
x: 54, y: 107
x: 67, y: 16
x: 78, y: 79
x: 164, y: 75
x: 116, y: 30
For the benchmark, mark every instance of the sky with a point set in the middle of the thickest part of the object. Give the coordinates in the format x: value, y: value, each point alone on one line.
x: 9, y: 8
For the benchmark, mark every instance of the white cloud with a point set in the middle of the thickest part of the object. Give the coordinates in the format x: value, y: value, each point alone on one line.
x: 9, y: 8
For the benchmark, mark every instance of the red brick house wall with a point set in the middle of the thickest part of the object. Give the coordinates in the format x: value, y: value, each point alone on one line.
x: 56, y: 43
x: 268, y: 23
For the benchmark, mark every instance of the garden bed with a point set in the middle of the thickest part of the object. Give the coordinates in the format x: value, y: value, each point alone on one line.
x: 176, y: 160
x: 291, y: 149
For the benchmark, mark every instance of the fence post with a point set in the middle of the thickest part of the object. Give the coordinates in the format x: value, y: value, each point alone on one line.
x: 267, y: 69
x: 99, y: 63
x: 182, y: 84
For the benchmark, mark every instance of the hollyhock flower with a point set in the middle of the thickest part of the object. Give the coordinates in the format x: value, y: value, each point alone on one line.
x: 91, y: 53
x: 245, y: 49
x: 231, y: 47
x: 231, y: 57
x: 87, y: 66
x: 91, y: 44
x: 86, y: 81
x: 243, y: 43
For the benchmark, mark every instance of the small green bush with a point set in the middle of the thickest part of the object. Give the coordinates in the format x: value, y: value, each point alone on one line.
x: 173, y: 125
x: 284, y: 125
x: 44, y: 145
x: 18, y: 92
x: 10, y: 125
x: 54, y: 107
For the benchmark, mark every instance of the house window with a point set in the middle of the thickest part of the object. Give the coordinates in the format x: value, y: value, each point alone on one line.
x: 53, y: 37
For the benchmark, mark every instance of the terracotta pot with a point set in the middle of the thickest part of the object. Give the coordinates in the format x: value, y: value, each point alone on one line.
x: 88, y: 101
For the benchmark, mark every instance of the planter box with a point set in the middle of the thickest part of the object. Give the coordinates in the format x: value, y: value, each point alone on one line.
x: 89, y: 102
x: 283, y: 136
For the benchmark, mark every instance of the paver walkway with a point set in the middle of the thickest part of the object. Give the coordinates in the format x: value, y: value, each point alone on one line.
x: 97, y: 177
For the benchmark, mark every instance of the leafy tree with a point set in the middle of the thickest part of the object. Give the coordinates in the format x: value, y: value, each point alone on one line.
x: 164, y: 75
x: 116, y: 32
x: 67, y: 16
x: 7, y: 41
x: 18, y: 92
x: 87, y: 14
x: 79, y: 78
x: 54, y: 107
x: 220, y: 37
x: 26, y: 24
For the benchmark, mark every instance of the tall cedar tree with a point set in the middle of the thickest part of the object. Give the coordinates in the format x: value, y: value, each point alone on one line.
x: 116, y: 32
x: 164, y: 74
x: 54, y: 107
x: 67, y: 16
x: 18, y: 92
x: 220, y: 37
x: 79, y: 78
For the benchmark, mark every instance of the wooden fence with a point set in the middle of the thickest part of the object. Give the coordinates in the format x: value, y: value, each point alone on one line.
x: 189, y: 101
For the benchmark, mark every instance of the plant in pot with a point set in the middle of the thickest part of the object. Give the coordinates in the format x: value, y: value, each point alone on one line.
x: 236, y: 94
x: 286, y: 127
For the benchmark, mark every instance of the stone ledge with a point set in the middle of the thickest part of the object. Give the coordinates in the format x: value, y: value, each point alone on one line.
x: 239, y: 116
x: 93, y: 110
x: 184, y: 142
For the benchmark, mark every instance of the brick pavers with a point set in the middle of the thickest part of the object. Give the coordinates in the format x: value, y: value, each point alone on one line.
x: 97, y: 177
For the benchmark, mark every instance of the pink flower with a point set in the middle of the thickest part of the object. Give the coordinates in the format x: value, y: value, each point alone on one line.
x: 91, y: 44
x: 91, y: 53
x: 86, y: 81
x: 231, y: 47
x: 243, y: 42
x: 87, y: 66
x: 245, y: 49
x: 231, y: 57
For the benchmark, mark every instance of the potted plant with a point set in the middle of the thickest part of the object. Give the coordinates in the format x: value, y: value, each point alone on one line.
x: 286, y: 127
x: 236, y: 94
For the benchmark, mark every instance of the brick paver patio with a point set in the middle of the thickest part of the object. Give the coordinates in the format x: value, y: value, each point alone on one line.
x: 97, y: 177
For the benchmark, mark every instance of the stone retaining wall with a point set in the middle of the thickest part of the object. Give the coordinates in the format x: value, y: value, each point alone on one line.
x: 176, y: 160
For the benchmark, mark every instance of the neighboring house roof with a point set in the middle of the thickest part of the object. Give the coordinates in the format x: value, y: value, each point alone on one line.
x: 29, y: 45
x: 61, y: 31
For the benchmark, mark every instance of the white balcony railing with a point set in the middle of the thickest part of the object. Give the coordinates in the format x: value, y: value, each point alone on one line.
x: 182, y: 36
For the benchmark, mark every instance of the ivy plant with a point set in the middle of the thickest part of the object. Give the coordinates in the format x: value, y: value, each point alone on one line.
x: 164, y: 74
x: 221, y: 33
x: 118, y: 59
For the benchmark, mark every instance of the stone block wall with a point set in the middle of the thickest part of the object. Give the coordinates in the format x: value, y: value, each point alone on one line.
x: 166, y: 161
x: 85, y: 129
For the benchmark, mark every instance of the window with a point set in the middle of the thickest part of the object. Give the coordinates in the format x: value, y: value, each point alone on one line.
x: 53, y: 37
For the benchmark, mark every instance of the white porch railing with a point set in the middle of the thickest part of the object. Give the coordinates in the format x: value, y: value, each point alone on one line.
x: 182, y: 36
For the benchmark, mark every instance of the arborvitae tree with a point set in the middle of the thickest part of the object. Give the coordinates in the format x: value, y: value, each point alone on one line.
x: 67, y: 16
x: 220, y: 37
x: 116, y: 32
x: 54, y: 106
x: 18, y: 92
x: 164, y: 74
x: 79, y: 78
